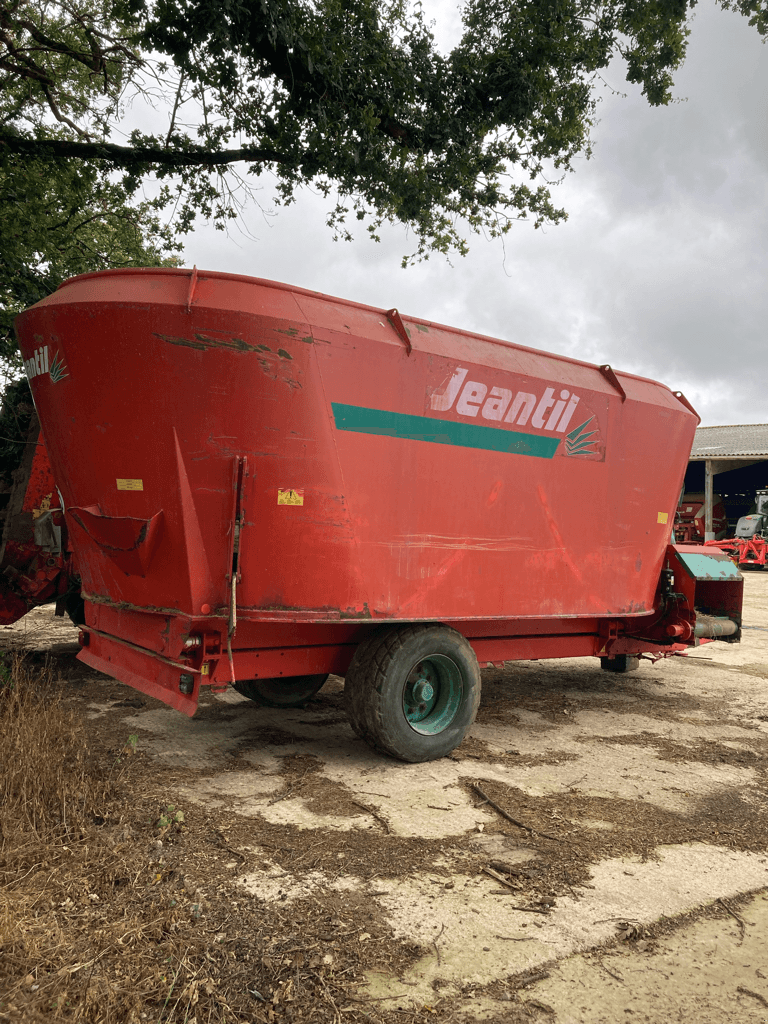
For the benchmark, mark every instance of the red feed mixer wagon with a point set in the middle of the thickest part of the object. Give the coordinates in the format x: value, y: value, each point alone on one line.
x: 264, y: 485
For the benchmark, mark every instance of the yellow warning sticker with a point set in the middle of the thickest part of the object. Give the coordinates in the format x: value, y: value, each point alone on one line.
x: 663, y: 517
x: 290, y: 496
x: 130, y: 485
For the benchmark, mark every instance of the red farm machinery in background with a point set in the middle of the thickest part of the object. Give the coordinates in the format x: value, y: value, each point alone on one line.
x: 749, y: 545
x: 689, y: 519
x: 263, y: 485
x: 36, y: 562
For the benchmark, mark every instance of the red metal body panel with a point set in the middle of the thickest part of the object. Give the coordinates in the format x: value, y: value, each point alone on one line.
x: 458, y: 479
x: 40, y: 494
x: 32, y: 561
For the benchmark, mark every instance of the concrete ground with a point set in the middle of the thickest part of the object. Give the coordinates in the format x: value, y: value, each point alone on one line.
x: 613, y: 868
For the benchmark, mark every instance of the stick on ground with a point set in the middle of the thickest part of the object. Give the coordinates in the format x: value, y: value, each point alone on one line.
x: 503, y: 813
x: 755, y: 995
x: 735, y: 916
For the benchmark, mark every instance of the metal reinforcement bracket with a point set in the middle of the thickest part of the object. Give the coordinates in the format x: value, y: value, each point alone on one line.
x: 613, y: 380
x: 397, y: 322
x: 192, y: 287
x: 681, y: 398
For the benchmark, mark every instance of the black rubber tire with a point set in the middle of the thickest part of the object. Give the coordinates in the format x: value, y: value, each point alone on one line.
x: 621, y: 663
x: 73, y: 602
x: 375, y: 687
x: 354, y: 681
x: 283, y: 692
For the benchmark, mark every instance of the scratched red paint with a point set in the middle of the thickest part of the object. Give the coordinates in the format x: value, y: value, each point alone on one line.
x: 495, y: 492
x: 564, y: 552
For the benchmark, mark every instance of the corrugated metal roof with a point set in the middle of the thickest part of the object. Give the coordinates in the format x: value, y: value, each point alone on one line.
x: 748, y: 440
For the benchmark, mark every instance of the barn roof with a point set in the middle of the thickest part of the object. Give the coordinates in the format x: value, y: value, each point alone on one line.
x: 743, y: 441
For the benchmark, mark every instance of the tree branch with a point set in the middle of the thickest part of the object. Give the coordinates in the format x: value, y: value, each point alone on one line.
x: 58, y: 114
x: 30, y: 68
x: 176, y: 103
x: 91, y: 60
x: 128, y: 156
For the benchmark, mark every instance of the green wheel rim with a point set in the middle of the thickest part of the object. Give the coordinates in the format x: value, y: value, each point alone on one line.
x: 432, y: 695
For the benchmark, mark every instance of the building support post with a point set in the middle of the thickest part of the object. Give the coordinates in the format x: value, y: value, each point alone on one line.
x: 709, y: 533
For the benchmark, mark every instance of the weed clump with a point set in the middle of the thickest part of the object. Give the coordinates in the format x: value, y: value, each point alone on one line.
x: 46, y: 789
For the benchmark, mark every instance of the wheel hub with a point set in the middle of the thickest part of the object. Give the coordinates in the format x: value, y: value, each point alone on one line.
x: 423, y: 691
x: 432, y: 694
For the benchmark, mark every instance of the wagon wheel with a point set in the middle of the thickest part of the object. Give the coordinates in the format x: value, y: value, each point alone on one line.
x: 74, y: 605
x: 621, y: 663
x: 288, y: 692
x: 413, y: 692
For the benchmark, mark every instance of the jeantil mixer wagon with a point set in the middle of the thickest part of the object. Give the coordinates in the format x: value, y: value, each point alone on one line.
x: 264, y: 485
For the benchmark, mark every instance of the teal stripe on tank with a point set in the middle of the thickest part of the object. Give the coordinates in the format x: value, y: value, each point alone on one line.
x: 359, y: 420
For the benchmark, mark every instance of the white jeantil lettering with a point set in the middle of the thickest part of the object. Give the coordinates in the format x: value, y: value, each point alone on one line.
x: 527, y: 402
x: 496, y: 404
x: 37, y: 362
x: 442, y: 403
x: 546, y: 403
x: 554, y: 416
x: 472, y: 397
x: 565, y: 419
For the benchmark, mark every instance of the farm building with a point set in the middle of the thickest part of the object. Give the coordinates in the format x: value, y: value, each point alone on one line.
x: 731, y: 461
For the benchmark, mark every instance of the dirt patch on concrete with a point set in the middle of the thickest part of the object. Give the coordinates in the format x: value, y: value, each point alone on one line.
x: 749, y: 752
x: 555, y: 692
x: 475, y: 749
x: 710, y: 970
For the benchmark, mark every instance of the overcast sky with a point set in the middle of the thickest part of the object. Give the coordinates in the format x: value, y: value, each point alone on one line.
x: 661, y: 269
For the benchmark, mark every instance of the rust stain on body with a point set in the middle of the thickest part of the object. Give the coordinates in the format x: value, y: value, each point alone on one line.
x: 269, y: 361
x: 203, y: 342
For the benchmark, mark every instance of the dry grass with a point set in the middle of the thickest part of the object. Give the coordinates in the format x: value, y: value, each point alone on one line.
x: 99, y: 921
x: 46, y: 789
x: 88, y: 932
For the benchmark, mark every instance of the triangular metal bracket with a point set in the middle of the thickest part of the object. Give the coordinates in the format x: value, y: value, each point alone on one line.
x: 613, y: 380
x: 397, y: 322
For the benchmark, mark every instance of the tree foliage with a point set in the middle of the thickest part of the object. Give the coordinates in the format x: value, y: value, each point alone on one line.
x: 352, y: 97
x: 59, y: 218
x: 62, y: 76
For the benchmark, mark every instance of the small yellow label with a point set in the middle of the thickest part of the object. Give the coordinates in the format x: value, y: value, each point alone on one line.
x: 130, y: 485
x: 205, y: 669
x: 290, y: 496
x: 663, y: 518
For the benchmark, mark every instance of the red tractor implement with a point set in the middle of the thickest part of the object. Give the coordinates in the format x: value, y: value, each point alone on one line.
x: 749, y: 546
x: 264, y: 485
